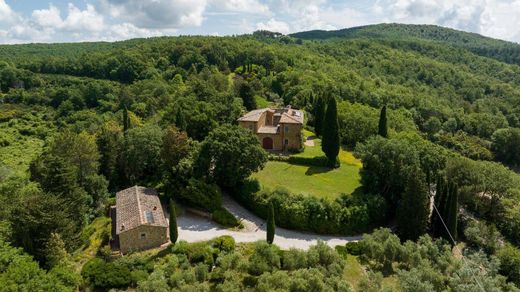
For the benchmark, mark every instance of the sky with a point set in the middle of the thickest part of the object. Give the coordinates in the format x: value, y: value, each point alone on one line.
x: 25, y: 21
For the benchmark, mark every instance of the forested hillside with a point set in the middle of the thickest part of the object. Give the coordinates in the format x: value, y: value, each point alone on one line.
x: 79, y: 122
x: 498, y: 49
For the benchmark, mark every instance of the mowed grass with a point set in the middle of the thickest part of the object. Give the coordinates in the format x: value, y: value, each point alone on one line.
x: 321, y: 182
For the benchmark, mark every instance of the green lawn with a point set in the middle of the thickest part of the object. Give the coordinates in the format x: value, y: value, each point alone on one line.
x: 311, y: 180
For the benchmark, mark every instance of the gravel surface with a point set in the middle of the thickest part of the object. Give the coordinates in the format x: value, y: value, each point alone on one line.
x: 193, y: 228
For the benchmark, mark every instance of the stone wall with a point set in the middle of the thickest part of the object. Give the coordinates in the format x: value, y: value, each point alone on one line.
x: 132, y: 240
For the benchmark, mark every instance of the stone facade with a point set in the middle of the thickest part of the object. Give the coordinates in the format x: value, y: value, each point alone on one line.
x: 276, y: 129
x: 142, y: 237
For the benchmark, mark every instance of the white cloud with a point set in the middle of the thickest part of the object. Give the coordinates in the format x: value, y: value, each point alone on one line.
x: 83, y: 20
x: 47, y: 17
x: 7, y: 15
x: 274, y: 25
x: 157, y: 13
x: 245, y: 6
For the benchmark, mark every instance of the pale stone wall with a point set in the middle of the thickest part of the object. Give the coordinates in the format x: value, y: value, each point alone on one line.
x: 131, y: 240
x: 247, y: 125
x: 293, y: 135
x: 261, y: 121
x: 277, y: 140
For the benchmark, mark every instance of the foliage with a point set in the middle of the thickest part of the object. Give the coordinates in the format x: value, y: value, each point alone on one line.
x: 174, y: 232
x: 199, y: 194
x: 330, y: 140
x: 348, y: 214
x: 222, y: 216
x: 319, y: 115
x: 270, y: 224
x: 229, y: 155
x: 105, y: 275
x: 413, y: 210
x: 18, y: 271
x: 506, y: 143
x: 383, y: 127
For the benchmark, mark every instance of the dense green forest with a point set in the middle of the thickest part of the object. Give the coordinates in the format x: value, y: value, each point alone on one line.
x: 79, y: 122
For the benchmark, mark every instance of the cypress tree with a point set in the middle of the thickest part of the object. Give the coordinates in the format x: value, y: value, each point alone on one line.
x: 330, y: 141
x: 180, y: 122
x: 247, y: 94
x: 319, y: 112
x: 270, y: 224
x: 383, y: 127
x: 413, y: 210
x: 440, y: 202
x: 126, y: 120
x: 174, y: 233
x: 452, y: 210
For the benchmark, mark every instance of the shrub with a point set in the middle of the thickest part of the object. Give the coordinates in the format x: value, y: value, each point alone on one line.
x: 199, y: 252
x: 200, y: 194
x: 319, y: 161
x: 223, y: 217
x: 224, y: 243
x: 510, y: 263
x: 353, y: 248
x: 106, y: 275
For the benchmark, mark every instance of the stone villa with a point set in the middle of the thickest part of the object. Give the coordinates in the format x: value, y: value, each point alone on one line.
x: 138, y: 220
x: 276, y: 129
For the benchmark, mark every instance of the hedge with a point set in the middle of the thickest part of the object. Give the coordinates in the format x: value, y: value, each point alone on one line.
x: 223, y: 217
x: 200, y: 194
x: 320, y: 161
x: 347, y: 215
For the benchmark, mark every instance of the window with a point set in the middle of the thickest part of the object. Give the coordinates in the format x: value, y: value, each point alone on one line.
x: 286, y: 129
x: 148, y: 215
x: 251, y: 127
x: 286, y: 142
x: 142, y: 235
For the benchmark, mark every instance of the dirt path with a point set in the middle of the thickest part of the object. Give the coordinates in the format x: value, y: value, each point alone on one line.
x: 309, y: 141
x: 194, y: 228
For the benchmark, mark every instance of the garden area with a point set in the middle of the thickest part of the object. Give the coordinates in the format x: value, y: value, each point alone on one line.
x: 319, y: 181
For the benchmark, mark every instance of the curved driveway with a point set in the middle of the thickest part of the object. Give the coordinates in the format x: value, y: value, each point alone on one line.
x: 194, y: 228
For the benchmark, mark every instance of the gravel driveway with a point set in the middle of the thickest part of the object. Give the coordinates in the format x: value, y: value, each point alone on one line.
x: 193, y: 228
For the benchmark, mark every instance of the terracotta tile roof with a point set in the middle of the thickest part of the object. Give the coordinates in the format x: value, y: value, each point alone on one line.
x: 138, y: 206
x: 253, y: 116
x: 287, y: 115
x: 292, y: 117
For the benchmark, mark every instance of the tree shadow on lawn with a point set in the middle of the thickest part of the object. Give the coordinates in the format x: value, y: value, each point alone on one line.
x: 317, y: 170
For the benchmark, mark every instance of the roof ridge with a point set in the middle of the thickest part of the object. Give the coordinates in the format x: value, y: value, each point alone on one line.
x: 289, y: 116
x: 138, y: 205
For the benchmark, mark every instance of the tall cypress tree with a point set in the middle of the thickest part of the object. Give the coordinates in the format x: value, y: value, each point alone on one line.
x: 440, y: 202
x: 270, y: 224
x: 452, y: 210
x: 126, y: 120
x: 330, y: 141
x: 413, y: 210
x: 174, y: 233
x: 319, y: 113
x: 383, y: 127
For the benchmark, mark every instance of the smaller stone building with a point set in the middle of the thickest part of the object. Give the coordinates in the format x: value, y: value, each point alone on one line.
x: 276, y: 129
x: 138, y: 220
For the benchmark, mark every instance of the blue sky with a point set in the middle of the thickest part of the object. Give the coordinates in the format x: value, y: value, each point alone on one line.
x: 23, y: 21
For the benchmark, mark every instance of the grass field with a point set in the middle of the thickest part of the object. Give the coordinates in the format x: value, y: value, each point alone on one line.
x: 311, y: 180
